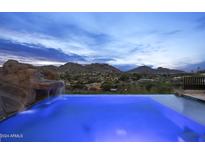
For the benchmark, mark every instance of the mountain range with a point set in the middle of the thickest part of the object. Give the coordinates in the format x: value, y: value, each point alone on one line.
x: 159, y: 70
x: 105, y: 68
x: 194, y: 67
x: 95, y: 67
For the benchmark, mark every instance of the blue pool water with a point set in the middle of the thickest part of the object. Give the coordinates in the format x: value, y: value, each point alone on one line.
x: 102, y: 118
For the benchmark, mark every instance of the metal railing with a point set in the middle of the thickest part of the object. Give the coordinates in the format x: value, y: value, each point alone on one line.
x: 194, y: 83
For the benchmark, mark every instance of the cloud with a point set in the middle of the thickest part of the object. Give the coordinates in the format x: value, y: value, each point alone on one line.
x: 37, y: 51
x: 200, y: 23
x: 172, y: 32
x: 67, y: 46
x: 53, y: 32
x: 103, y: 59
x: 31, y: 60
x: 48, y: 24
x: 138, y: 48
x: 158, y: 39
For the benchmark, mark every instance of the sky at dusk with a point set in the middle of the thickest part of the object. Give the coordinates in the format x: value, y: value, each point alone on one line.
x: 127, y: 40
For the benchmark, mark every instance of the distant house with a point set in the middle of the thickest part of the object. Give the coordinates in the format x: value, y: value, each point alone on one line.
x: 68, y: 84
x: 94, y: 86
x: 177, y: 78
x: 146, y: 80
x: 202, y: 73
x: 113, y: 89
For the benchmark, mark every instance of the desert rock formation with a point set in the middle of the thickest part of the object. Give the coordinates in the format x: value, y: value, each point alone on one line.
x: 21, y: 85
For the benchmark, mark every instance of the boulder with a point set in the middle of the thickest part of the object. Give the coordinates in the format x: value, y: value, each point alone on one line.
x: 13, y: 66
x: 50, y: 74
x: 21, y: 85
x: 12, y: 98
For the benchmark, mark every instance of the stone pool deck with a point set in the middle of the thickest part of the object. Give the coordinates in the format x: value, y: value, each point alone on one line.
x: 194, y: 94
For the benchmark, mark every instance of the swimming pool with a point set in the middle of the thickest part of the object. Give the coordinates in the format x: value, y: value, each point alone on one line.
x: 108, y: 118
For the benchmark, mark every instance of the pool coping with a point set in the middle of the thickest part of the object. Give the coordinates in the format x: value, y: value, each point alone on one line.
x: 193, y: 97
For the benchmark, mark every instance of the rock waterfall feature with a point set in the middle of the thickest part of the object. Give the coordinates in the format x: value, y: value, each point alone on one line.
x: 22, y: 85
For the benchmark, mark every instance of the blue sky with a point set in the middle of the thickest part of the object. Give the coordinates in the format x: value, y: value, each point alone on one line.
x: 174, y: 40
